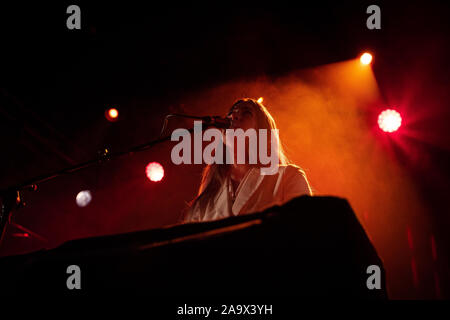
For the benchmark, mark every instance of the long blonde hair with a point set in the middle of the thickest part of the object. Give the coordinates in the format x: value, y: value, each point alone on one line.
x: 214, y: 175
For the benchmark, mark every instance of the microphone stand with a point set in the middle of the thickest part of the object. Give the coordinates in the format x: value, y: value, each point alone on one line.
x: 11, y: 197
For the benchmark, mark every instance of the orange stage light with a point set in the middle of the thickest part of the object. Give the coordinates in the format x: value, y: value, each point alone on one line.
x: 112, y: 114
x: 366, y: 58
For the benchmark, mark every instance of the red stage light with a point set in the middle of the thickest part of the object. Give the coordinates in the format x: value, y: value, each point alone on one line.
x: 366, y: 58
x: 21, y: 235
x: 389, y: 120
x: 112, y: 114
x: 154, y: 171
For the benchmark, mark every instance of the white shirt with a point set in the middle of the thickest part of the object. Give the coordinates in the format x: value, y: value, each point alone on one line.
x: 255, y: 193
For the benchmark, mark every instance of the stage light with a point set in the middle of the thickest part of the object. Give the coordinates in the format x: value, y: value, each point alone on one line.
x: 154, y: 171
x: 21, y: 235
x: 112, y: 114
x: 260, y: 100
x: 389, y: 120
x: 83, y: 198
x: 366, y: 58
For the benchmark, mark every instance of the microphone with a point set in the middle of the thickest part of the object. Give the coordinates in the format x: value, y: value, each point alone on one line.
x: 212, y: 121
x: 217, y: 121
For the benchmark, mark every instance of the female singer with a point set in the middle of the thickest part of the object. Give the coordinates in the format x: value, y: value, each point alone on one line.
x: 233, y: 189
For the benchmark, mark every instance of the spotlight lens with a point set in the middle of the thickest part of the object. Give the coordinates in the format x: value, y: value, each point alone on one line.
x: 112, y: 114
x: 83, y: 198
x: 389, y: 120
x: 366, y: 58
x: 154, y: 171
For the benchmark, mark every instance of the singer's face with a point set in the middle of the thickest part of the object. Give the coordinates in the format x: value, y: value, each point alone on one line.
x: 243, y: 116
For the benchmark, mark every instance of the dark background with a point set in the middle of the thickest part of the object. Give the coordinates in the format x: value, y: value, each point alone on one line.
x: 57, y: 83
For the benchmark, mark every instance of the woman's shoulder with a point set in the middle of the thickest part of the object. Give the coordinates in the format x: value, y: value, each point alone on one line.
x: 294, y: 179
x: 291, y: 169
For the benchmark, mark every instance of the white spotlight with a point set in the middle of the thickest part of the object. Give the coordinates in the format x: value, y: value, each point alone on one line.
x: 83, y: 198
